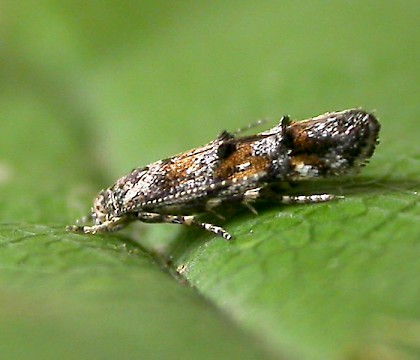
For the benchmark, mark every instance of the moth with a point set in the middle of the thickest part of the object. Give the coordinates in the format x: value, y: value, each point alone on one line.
x: 237, y: 169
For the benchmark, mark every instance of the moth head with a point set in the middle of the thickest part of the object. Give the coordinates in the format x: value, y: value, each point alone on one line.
x: 102, y: 207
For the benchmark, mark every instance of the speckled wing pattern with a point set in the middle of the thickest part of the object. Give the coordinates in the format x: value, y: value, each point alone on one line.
x: 235, y: 168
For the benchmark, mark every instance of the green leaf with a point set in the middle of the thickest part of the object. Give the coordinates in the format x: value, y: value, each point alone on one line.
x: 91, y: 90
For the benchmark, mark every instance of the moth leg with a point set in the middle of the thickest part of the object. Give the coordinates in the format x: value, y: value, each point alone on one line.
x: 253, y: 195
x: 213, y: 203
x: 307, y: 199
x: 114, y: 224
x: 188, y: 220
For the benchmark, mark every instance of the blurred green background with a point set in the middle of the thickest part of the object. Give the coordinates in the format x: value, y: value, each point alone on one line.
x: 90, y: 90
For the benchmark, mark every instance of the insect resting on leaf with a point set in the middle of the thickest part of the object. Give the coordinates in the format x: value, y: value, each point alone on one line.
x: 237, y: 169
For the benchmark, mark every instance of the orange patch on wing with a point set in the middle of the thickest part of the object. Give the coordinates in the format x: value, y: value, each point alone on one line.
x: 241, y: 163
x: 305, y: 160
x: 298, y: 136
x: 298, y: 133
x: 175, y: 170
